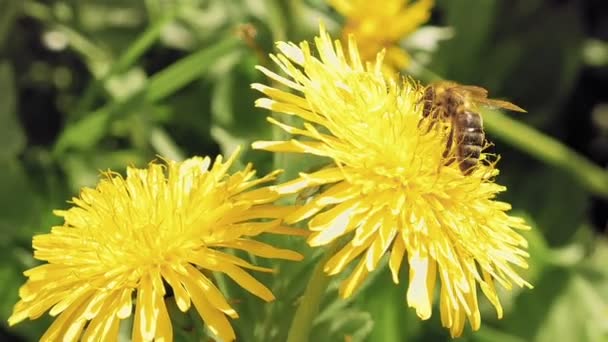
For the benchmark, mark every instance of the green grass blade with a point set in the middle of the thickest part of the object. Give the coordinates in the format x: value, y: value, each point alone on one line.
x: 186, y: 70
x: 124, y: 62
x: 85, y: 133
x: 546, y: 149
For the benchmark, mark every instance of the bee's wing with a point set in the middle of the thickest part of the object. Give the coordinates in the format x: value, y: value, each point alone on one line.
x: 474, y: 91
x: 478, y: 94
x: 445, y: 84
x: 500, y: 104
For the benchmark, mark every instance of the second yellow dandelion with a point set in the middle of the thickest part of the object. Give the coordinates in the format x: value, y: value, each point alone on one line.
x: 378, y: 26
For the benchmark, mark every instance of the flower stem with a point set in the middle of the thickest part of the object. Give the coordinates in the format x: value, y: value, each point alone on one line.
x: 548, y: 150
x: 311, y: 300
x: 123, y: 63
x: 9, y: 10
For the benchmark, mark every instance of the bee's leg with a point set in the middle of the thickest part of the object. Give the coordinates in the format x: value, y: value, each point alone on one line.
x: 421, y: 121
x: 425, y: 117
x: 431, y: 124
x: 448, y: 148
x: 431, y: 120
x: 420, y: 101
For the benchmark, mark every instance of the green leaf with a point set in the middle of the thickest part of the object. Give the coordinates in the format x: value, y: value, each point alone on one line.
x: 567, y: 304
x: 11, y: 268
x: 164, y: 145
x: 553, y: 60
x: 376, y: 312
x: 558, y: 219
x: 84, y: 169
x: 490, y: 334
x: 187, y: 119
x: 275, y: 17
x: 453, y: 60
x: 190, y: 68
x: 11, y: 278
x: 9, y: 11
x: 85, y: 133
x: 385, y: 301
x: 12, y: 137
x: 122, y: 65
x: 19, y: 205
x: 546, y: 149
x: 235, y: 120
x: 353, y: 324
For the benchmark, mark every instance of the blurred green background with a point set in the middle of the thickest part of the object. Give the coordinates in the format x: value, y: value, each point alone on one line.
x: 92, y: 85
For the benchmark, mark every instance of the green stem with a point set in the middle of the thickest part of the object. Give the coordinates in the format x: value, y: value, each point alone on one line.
x: 162, y: 84
x: 276, y: 19
x: 277, y: 23
x: 536, y: 144
x: 8, y: 13
x: 164, y: 145
x: 296, y: 17
x: 546, y: 149
x: 311, y: 300
x: 125, y: 61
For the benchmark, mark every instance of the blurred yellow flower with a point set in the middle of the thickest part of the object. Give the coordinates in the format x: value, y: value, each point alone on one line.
x: 128, y: 237
x: 387, y: 189
x: 382, y: 26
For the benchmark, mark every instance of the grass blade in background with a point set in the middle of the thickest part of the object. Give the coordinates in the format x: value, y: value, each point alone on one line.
x: 85, y: 133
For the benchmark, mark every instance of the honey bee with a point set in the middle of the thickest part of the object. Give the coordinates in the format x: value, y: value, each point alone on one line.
x: 455, y: 104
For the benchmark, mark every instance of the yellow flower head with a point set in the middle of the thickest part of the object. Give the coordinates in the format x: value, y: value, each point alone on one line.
x: 124, y: 238
x: 378, y: 27
x: 388, y: 189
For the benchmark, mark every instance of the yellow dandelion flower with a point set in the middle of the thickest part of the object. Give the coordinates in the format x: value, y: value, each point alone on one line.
x: 388, y: 190
x: 125, y: 239
x: 378, y: 27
